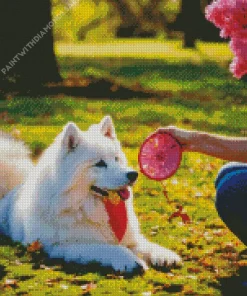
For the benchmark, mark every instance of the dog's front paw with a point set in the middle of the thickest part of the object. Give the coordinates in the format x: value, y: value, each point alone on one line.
x: 126, y: 262
x: 160, y: 257
x: 164, y: 257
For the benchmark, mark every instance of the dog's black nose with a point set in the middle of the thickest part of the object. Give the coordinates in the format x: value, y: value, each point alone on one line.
x: 132, y: 176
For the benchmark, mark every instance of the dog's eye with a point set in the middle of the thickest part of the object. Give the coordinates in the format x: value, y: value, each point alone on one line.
x: 101, y: 164
x: 117, y: 158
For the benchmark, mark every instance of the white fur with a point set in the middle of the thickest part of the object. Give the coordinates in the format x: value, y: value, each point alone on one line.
x: 54, y: 203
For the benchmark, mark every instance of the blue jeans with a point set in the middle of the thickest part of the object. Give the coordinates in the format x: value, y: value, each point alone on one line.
x: 231, y: 198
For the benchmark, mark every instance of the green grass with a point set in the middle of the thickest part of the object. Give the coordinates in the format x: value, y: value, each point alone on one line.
x: 202, y: 96
x: 191, y: 187
x: 158, y: 66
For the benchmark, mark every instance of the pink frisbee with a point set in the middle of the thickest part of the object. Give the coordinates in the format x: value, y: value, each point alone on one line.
x: 160, y: 156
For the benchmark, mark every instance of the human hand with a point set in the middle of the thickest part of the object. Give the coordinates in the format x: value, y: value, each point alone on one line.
x: 187, y: 139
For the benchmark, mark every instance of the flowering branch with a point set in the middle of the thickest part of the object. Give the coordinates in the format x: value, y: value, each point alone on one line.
x: 230, y: 16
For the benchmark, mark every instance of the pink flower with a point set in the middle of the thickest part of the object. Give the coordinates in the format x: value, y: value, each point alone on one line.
x: 239, y: 47
x: 230, y: 16
x: 238, y: 67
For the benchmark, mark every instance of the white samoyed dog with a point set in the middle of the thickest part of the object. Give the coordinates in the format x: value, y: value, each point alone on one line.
x: 62, y: 201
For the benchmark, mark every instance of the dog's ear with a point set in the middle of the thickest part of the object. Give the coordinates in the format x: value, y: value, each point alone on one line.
x: 70, y: 136
x: 107, y: 127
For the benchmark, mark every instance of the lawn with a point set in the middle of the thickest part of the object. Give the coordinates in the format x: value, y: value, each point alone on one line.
x: 162, y: 67
x: 200, y: 95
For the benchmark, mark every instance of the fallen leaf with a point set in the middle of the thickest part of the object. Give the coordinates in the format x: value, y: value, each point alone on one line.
x: 194, y: 270
x: 219, y: 232
x: 207, y: 263
x: 230, y: 256
x: 88, y: 287
x: 34, y: 247
x: 228, y: 247
x: 188, y: 290
x: 242, y: 263
x: 180, y: 213
x: 49, y: 283
x: 10, y: 283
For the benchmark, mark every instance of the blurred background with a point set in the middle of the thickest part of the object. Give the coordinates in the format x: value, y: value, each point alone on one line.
x: 160, y: 19
x: 158, y: 30
x: 58, y: 57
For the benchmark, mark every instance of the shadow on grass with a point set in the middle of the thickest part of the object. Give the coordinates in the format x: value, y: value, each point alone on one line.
x: 158, y: 76
x: 3, y: 272
x: 132, y: 68
x: 90, y: 87
x: 97, y: 88
x: 93, y: 267
x: 116, y: 78
x: 39, y: 259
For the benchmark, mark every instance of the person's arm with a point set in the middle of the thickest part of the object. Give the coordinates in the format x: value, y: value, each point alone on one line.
x: 227, y: 148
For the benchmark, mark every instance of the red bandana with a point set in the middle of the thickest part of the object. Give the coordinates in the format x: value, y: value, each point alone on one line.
x: 117, y: 217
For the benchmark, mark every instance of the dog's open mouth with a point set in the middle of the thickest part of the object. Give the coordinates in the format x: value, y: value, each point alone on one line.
x: 123, y: 193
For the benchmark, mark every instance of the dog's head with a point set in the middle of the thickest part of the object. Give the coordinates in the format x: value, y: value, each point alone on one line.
x: 94, y: 160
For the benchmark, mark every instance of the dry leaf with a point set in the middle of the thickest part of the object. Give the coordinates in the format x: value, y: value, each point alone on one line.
x: 34, y: 247
x: 88, y: 287
x: 242, y: 263
x: 180, y: 213
x: 194, y: 270
x: 10, y: 283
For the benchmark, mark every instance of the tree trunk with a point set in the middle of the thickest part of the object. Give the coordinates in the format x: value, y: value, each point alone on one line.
x: 24, y: 61
x: 191, y: 16
x: 191, y: 20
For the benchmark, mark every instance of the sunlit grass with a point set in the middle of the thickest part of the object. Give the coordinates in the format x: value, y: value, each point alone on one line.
x: 192, y: 187
x: 147, y: 49
x: 158, y: 66
x: 202, y: 97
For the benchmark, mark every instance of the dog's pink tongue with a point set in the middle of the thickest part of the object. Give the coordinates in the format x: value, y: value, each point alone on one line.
x: 124, y: 193
x: 117, y: 217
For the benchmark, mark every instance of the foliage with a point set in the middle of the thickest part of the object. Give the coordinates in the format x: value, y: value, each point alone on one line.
x: 99, y: 19
x: 214, y: 261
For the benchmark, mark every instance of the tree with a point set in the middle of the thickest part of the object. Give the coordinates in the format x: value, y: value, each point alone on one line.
x: 137, y: 18
x: 191, y: 20
x: 24, y: 62
x: 147, y: 18
x: 191, y: 15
